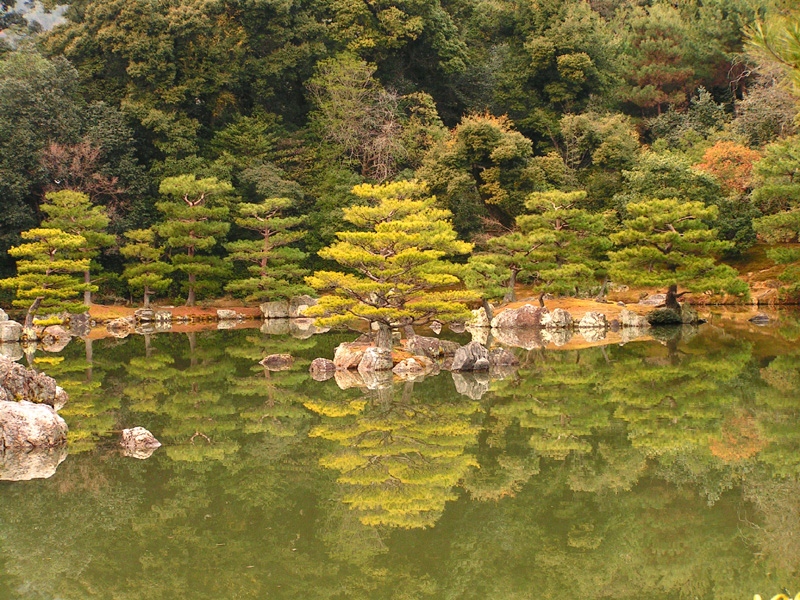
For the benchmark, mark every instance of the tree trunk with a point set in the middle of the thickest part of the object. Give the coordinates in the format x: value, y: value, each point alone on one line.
x: 541, y: 300
x: 671, y: 301
x: 146, y: 297
x: 383, y: 338
x: 27, y: 330
x: 487, y: 309
x: 511, y: 294
x: 190, y: 297
x: 87, y: 293
x: 601, y: 295
x: 87, y: 343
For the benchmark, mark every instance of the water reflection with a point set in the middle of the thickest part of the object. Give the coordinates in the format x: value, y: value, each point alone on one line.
x: 666, y: 468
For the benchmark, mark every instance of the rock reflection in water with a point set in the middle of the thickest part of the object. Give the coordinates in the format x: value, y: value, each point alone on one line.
x: 38, y: 463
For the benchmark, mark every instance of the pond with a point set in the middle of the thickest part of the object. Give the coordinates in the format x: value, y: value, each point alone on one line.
x: 655, y: 469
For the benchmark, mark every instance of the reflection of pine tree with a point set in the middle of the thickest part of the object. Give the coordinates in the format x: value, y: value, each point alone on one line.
x: 148, y: 380
x: 399, y: 457
x: 778, y: 415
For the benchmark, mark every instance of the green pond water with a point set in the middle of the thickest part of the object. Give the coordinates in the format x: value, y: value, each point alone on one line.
x: 658, y: 469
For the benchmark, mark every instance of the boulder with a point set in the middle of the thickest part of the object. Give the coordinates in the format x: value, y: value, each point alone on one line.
x: 349, y: 355
x: 163, y: 316
x: 478, y: 319
x: 12, y: 351
x: 500, y: 357
x: 413, y: 367
x: 299, y: 304
x: 80, y: 325
x: 27, y: 425
x: 472, y: 357
x: 138, y: 442
x: 593, y: 320
x: 10, y: 331
x: 275, y: 310
x: 25, y: 384
x: 375, y: 359
x: 472, y: 385
x: 654, y: 300
x: 224, y: 314
x: 435, y: 327
x: 527, y: 316
x: 55, y: 333
x: 689, y: 315
x: 144, y: 315
x: 321, y: 369
x: 3, y: 315
x: 430, y: 346
x: 457, y: 327
x: 529, y: 339
x: 18, y: 464
x: 558, y: 319
x: 628, y: 318
x: 277, y: 362
x: 121, y: 328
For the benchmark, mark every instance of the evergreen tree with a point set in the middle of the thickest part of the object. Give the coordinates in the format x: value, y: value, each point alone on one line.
x: 46, y: 271
x: 195, y: 214
x: 273, y: 266
x: 73, y: 212
x: 667, y: 241
x: 495, y: 271
x: 396, y: 257
x: 147, y: 272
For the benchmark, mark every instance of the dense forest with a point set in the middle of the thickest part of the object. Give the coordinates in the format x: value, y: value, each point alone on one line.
x: 191, y: 148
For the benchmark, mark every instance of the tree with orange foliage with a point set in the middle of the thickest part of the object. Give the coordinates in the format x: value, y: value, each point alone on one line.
x: 731, y: 164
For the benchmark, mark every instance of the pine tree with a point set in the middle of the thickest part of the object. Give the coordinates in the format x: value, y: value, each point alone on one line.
x: 567, y: 242
x: 397, y: 257
x: 74, y: 213
x: 273, y: 266
x: 667, y: 241
x: 495, y: 272
x: 195, y: 216
x: 46, y: 272
x: 147, y: 272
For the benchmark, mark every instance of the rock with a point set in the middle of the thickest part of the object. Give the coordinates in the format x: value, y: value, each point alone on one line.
x: 416, y: 366
x: 25, y: 384
x: 348, y: 379
x: 664, y: 316
x: 37, y: 463
x: 321, y: 369
x: 472, y: 385
x: 3, y: 315
x: 80, y: 325
x: 60, y: 399
x: 10, y: 331
x: 144, y: 315
x: 27, y: 425
x: 500, y: 357
x: 139, y: 443
x: 299, y: 304
x: 457, y: 327
x: 526, y: 316
x: 557, y: 337
x: 377, y: 380
x: 467, y: 358
x: 435, y: 327
x: 375, y: 359
x: 277, y: 362
x: 275, y: 310
x: 227, y: 324
x: 529, y: 339
x: 304, y: 328
x: 653, y: 300
x: 163, y: 316
x: 430, y: 346
x: 558, y: 319
x: 689, y: 315
x: 593, y: 320
x: 628, y: 318
x: 121, y: 327
x: 275, y: 327
x: 481, y: 334
x: 12, y: 351
x: 478, y: 319
x: 224, y: 314
x: 760, y: 319
x: 55, y: 338
x: 349, y: 355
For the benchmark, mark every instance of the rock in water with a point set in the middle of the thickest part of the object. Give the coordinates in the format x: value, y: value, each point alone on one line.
x: 299, y: 304
x: 435, y: 327
x: 593, y: 320
x: 322, y: 369
x: 375, y: 359
x: 628, y: 318
x: 517, y: 318
x: 25, y: 384
x: 10, y: 331
x: 471, y: 357
x: 275, y: 310
x: 760, y: 319
x: 137, y: 442
x: 413, y: 367
x: 27, y: 425
x: 348, y: 355
x: 144, y: 315
x: 430, y: 346
x: 277, y: 362
x: 500, y: 357
x: 224, y: 314
x: 558, y: 319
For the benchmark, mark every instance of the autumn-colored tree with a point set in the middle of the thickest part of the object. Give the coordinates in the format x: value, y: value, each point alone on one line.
x: 731, y: 164
x: 74, y: 213
x: 396, y: 257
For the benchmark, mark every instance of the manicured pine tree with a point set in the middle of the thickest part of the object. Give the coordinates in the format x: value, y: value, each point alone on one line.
x: 195, y: 220
x: 273, y: 265
x: 568, y: 243
x: 147, y: 272
x: 396, y: 263
x: 780, y: 229
x: 74, y: 213
x: 667, y: 241
x: 47, y: 272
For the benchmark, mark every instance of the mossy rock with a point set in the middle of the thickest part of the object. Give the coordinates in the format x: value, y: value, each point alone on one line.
x: 664, y: 316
